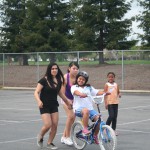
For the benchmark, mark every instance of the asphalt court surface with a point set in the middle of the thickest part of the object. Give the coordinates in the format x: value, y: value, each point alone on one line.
x: 20, y: 122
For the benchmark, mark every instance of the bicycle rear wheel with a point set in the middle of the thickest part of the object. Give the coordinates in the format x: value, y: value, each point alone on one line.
x: 76, y: 135
x: 108, y: 140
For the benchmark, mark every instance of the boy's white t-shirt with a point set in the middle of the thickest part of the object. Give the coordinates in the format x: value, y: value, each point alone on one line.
x: 79, y: 102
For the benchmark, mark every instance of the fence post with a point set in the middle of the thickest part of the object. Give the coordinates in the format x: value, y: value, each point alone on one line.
x: 3, y: 69
x: 78, y: 56
x: 38, y: 70
x: 122, y: 72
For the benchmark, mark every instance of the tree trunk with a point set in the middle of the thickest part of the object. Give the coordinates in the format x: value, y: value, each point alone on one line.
x: 52, y: 57
x: 25, y: 60
x: 101, y: 58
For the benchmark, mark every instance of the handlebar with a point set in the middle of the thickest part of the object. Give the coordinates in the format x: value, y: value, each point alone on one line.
x: 98, y: 99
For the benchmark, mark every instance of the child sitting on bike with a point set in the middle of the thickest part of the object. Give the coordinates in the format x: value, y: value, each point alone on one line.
x: 82, y: 103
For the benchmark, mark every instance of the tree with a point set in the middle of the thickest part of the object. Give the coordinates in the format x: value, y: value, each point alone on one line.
x: 35, y: 25
x: 46, y: 26
x: 12, y: 14
x: 144, y: 19
x: 99, y: 24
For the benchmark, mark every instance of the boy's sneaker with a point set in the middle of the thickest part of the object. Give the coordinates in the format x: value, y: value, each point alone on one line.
x: 96, y: 140
x: 85, y: 131
x: 62, y: 140
x: 51, y: 146
x: 68, y: 141
x: 39, y: 141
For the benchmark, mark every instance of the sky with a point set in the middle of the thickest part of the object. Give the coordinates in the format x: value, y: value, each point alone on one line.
x: 135, y: 10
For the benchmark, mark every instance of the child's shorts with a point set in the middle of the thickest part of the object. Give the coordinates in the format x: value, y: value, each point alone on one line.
x: 92, y: 113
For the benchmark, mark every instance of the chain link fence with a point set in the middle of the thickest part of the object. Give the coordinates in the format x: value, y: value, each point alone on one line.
x: 132, y: 68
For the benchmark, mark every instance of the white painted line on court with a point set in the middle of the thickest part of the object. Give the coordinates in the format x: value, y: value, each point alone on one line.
x: 36, y: 120
x: 10, y: 122
x: 25, y: 139
x: 127, y: 108
x: 60, y: 111
x: 133, y: 122
x: 133, y: 131
x: 16, y: 109
x: 14, y: 141
x: 134, y: 107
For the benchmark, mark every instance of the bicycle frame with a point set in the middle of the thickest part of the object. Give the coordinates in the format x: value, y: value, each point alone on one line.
x: 101, y: 132
x: 101, y: 129
x: 89, y: 139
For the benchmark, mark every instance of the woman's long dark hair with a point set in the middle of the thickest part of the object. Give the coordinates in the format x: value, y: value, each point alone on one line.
x: 59, y: 76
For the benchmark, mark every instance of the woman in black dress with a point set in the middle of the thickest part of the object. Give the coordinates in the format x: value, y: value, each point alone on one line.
x: 45, y: 94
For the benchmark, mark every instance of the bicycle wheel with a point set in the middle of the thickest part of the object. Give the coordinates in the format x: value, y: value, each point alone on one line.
x: 108, y: 140
x: 76, y: 135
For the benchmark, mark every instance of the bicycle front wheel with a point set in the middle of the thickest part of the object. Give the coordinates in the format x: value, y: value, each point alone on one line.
x: 108, y: 140
x: 76, y: 135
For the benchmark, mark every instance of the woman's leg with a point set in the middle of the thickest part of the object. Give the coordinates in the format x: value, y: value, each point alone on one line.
x: 70, y: 119
x: 54, y: 123
x: 47, y: 124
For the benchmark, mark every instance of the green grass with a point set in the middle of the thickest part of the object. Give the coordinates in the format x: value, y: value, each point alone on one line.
x: 66, y: 63
x: 119, y: 62
x: 129, y: 62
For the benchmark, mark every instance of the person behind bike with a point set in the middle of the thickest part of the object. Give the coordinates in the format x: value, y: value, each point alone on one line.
x: 82, y: 104
x: 70, y: 78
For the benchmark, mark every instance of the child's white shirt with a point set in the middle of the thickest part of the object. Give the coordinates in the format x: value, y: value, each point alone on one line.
x: 86, y: 102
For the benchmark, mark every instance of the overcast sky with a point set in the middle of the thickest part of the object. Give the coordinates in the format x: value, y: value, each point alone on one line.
x: 134, y: 11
